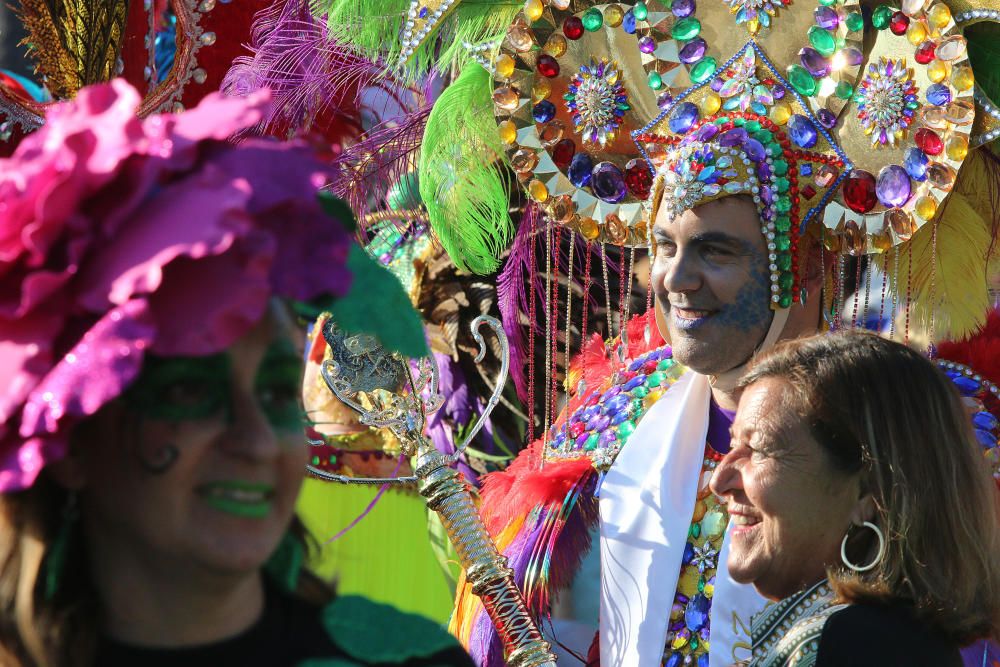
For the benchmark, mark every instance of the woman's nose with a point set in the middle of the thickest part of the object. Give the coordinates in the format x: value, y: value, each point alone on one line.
x: 249, y: 434
x: 727, y: 478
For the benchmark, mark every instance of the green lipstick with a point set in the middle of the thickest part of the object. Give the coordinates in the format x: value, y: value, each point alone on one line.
x: 242, y: 499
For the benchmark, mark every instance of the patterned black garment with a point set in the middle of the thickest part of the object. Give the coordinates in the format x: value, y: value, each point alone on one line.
x: 809, y: 630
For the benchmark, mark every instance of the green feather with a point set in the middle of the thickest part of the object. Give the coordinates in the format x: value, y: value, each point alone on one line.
x: 375, y: 28
x: 462, y: 182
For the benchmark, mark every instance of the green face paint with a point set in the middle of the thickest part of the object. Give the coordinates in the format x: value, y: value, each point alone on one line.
x: 278, y: 386
x: 187, y: 388
x: 181, y: 388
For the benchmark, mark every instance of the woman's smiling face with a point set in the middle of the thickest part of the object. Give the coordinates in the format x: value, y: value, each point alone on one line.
x: 201, y: 461
x: 789, y: 507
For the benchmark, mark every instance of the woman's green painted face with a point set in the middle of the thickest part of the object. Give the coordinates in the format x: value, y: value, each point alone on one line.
x: 204, y: 457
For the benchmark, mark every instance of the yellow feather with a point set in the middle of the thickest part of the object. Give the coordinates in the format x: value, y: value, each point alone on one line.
x: 949, y: 287
x: 74, y: 42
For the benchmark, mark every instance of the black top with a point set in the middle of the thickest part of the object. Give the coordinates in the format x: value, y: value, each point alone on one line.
x: 290, y: 633
x: 865, y: 635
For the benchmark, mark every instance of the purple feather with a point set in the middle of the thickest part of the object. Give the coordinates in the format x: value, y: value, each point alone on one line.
x: 309, y: 75
x: 364, y: 172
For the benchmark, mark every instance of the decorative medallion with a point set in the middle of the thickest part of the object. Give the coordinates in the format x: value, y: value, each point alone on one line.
x: 755, y: 14
x: 887, y: 100
x: 598, y: 101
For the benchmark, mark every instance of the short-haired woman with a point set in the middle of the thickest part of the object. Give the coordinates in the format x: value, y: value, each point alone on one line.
x: 862, y: 504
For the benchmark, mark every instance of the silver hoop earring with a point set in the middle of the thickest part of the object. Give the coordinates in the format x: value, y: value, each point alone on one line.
x: 878, y: 557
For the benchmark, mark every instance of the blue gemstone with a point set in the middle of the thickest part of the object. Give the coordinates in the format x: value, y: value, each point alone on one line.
x: 590, y: 412
x: 615, y: 404
x: 544, y: 111
x: 696, y: 613
x: 636, y: 365
x: 802, y: 131
x: 703, y: 660
x: 985, y: 420
x: 423, y: 12
x: 916, y: 164
x: 967, y: 386
x: 598, y: 423
x: 805, y: 169
x: 581, y: 440
x: 683, y: 117
x: 826, y: 17
x: 985, y: 439
x: 620, y: 417
x: 609, y: 394
x: 938, y: 94
x: 706, y: 132
x: 606, y: 438
x: 628, y: 22
x: 579, y: 170
x: 675, y: 660
x: 688, y: 553
x: 634, y: 382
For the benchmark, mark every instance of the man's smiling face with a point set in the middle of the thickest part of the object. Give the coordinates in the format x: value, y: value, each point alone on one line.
x: 711, y: 279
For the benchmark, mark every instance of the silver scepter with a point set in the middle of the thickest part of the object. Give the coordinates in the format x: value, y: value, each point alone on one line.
x: 387, y: 391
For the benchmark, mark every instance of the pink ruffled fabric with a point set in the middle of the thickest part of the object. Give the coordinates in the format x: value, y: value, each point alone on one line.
x: 120, y: 235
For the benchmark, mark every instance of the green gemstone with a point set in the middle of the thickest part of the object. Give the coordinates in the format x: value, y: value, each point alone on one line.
x: 591, y: 443
x: 687, y: 28
x: 855, y: 22
x: 701, y: 584
x: 783, y: 223
x: 779, y: 167
x: 664, y: 364
x: 592, y: 19
x: 636, y: 406
x: 774, y: 150
x: 739, y: 122
x: 801, y: 80
x: 827, y: 3
x: 752, y: 126
x: 782, y: 242
x: 654, y: 80
x: 784, y: 262
x: 640, y: 11
x: 913, y: 106
x: 625, y: 429
x: 781, y: 185
x: 764, y: 136
x: 315, y: 460
x: 785, y: 301
x: 693, y: 643
x: 822, y: 41
x: 881, y: 16
x: 841, y: 42
x: 786, y: 279
x: 655, y: 379
x: 640, y: 392
x: 333, y: 459
x: 783, y: 204
x: 843, y: 90
x: 703, y: 70
x: 696, y: 530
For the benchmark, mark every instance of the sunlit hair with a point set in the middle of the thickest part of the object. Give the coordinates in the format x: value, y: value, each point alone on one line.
x: 882, y: 410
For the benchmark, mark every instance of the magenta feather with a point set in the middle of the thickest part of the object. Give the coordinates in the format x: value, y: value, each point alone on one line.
x: 312, y: 78
x: 383, y: 157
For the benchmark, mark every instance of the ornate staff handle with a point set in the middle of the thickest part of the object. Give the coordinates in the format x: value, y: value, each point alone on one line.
x: 449, y: 495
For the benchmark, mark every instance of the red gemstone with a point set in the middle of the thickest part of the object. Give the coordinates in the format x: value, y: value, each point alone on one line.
x: 576, y: 429
x: 859, y: 191
x: 638, y: 178
x: 547, y: 66
x: 899, y: 23
x: 563, y: 152
x: 809, y: 192
x: 925, y: 52
x: 573, y: 27
x: 929, y: 142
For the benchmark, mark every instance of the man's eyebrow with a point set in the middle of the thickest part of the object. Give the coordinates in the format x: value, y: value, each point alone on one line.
x: 722, y: 238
